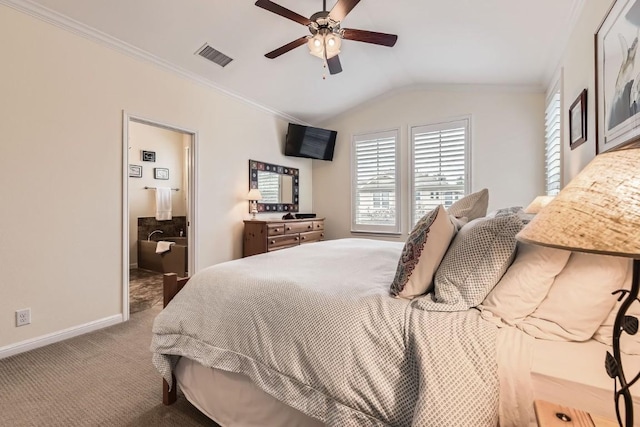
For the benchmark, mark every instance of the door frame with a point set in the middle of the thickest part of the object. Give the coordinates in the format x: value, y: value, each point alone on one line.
x: 192, y: 166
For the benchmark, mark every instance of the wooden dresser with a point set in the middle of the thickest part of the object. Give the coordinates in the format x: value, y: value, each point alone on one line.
x: 269, y: 235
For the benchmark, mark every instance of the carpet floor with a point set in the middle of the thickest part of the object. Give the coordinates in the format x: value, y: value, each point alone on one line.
x: 104, y: 378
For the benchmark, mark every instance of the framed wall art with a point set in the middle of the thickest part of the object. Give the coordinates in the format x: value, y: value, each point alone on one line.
x: 148, y: 156
x: 161, y: 173
x: 618, y: 76
x: 578, y: 121
x: 135, y: 171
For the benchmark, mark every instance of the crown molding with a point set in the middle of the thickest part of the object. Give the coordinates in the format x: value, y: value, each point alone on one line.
x: 59, y: 20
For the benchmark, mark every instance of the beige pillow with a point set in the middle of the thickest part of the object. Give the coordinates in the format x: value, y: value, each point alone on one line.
x: 579, y: 299
x: 526, y: 283
x: 629, y: 344
x: 478, y: 257
x: 471, y: 206
x: 424, y: 249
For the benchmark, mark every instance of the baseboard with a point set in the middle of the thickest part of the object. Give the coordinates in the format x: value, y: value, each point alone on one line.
x: 54, y: 337
x: 133, y: 266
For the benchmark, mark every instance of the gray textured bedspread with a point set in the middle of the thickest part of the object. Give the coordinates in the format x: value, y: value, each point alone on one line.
x: 315, y: 327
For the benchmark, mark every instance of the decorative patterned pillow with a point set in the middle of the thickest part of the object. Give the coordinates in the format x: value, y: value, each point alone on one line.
x: 424, y: 249
x: 471, y: 206
x: 478, y: 257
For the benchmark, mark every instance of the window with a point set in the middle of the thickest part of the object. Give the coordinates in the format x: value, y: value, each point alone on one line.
x: 553, y: 161
x: 376, y: 183
x: 440, y: 165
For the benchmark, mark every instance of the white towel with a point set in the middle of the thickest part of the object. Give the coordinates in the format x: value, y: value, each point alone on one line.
x: 163, y: 247
x: 163, y: 203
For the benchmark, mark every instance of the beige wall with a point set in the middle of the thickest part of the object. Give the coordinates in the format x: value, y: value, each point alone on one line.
x: 169, y: 148
x: 578, y: 64
x: 61, y: 170
x: 506, y: 136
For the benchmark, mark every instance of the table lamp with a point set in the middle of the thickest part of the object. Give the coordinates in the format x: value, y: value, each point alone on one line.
x: 537, y: 204
x: 254, y: 195
x: 599, y: 212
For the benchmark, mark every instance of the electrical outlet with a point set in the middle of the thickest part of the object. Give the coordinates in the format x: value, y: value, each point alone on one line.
x: 23, y: 317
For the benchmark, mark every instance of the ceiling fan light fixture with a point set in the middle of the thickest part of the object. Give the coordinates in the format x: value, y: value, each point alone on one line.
x: 321, y: 42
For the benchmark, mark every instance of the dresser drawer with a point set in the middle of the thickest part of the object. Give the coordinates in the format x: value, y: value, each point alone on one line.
x: 311, y: 236
x: 318, y: 225
x: 276, y: 242
x: 298, y: 227
x: 275, y: 229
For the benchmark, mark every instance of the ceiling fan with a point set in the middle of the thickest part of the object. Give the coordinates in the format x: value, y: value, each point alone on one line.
x: 326, y: 33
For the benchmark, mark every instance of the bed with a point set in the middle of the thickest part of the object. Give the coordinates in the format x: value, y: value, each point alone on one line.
x: 310, y: 336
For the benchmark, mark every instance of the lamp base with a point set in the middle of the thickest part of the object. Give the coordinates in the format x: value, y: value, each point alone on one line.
x: 613, y: 364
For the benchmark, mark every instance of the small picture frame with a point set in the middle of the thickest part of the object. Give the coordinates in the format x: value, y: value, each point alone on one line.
x: 135, y: 171
x: 148, y: 156
x: 578, y: 121
x: 161, y: 173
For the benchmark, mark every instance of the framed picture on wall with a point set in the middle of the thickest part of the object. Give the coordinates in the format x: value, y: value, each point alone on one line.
x: 148, y: 156
x: 578, y: 121
x: 135, y: 171
x: 617, y: 77
x: 161, y: 173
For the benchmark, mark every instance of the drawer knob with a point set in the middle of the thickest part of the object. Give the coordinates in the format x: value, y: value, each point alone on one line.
x: 288, y: 228
x: 296, y: 238
x: 273, y: 242
x: 308, y: 226
x: 276, y: 230
x: 321, y: 234
x: 302, y: 238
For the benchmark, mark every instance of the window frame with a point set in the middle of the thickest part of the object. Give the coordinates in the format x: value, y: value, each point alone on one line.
x: 371, y: 228
x: 555, y: 90
x: 464, y: 121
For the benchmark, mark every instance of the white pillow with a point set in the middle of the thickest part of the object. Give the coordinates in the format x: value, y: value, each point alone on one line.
x: 579, y: 299
x: 629, y: 344
x: 424, y: 249
x: 526, y: 283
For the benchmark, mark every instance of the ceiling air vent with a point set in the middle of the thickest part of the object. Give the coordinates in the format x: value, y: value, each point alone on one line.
x: 213, y: 55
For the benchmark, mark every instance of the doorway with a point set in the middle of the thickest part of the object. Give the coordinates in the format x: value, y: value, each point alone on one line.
x: 159, y: 162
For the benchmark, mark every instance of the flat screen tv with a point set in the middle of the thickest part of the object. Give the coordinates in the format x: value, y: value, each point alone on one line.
x: 310, y: 142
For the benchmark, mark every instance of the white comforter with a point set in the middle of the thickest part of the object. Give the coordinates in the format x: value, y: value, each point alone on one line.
x: 315, y: 327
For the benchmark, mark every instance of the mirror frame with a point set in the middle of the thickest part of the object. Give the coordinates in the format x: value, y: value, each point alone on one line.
x: 255, y: 166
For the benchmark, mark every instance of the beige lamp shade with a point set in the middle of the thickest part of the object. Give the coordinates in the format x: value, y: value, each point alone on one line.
x: 537, y: 204
x: 598, y: 211
x: 254, y: 194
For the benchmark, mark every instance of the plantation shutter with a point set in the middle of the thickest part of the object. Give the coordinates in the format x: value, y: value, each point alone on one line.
x: 553, y: 162
x: 375, y: 182
x: 440, y: 163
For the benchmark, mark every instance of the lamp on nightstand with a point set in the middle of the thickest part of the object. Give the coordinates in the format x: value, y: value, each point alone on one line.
x: 537, y: 204
x: 253, y: 196
x: 599, y: 212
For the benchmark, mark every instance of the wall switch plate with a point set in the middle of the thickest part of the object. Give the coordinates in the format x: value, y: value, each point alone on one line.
x: 23, y: 317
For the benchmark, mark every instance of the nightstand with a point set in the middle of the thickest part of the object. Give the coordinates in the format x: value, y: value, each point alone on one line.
x: 552, y: 415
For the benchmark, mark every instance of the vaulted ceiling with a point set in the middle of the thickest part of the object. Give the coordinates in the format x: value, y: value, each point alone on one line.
x: 440, y: 42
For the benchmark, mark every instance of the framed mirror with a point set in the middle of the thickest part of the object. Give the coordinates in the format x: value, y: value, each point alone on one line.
x: 278, y: 186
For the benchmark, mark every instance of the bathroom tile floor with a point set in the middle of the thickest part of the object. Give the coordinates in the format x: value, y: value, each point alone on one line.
x: 145, y: 289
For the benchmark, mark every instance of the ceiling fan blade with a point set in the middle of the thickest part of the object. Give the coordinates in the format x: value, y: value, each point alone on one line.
x: 370, y: 37
x: 342, y: 8
x: 287, y: 47
x: 334, y: 65
x: 282, y: 11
